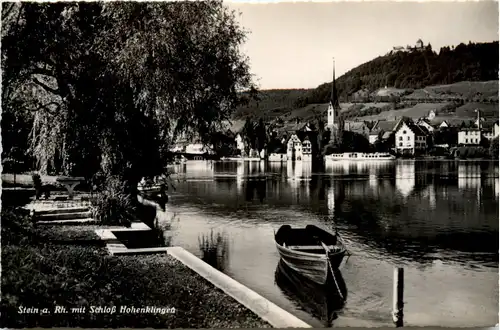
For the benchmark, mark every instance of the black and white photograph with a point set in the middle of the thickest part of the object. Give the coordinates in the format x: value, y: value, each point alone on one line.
x: 249, y: 164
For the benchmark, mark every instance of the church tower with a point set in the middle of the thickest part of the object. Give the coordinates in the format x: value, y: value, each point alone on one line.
x: 333, y: 108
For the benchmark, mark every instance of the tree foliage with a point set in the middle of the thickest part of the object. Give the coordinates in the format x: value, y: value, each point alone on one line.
x: 109, y: 86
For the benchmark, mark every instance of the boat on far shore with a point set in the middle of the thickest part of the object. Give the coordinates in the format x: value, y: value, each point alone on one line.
x: 360, y: 156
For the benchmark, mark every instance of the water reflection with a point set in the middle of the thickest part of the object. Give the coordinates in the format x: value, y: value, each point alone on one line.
x: 444, y: 233
x: 214, y: 249
x: 405, y: 178
x: 321, y: 301
x: 469, y: 176
x: 414, y: 206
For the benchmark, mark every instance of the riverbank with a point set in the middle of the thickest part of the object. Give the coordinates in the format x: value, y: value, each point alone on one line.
x: 40, y: 271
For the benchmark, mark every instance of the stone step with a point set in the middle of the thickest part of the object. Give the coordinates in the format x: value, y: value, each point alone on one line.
x: 88, y: 221
x: 74, y: 209
x: 142, y: 251
x: 64, y: 216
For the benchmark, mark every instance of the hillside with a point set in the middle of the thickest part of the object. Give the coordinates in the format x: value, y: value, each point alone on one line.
x: 466, y: 72
x: 417, y: 69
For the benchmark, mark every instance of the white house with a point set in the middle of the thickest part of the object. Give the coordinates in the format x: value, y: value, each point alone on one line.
x: 306, y: 149
x: 294, y: 148
x: 431, y: 115
x: 197, y: 148
x: 240, y: 145
x: 373, y: 137
x: 444, y: 124
x: 469, y: 136
x: 495, y: 130
x: 409, y: 138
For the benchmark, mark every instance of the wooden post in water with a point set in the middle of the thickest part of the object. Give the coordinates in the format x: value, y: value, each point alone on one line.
x: 397, y: 303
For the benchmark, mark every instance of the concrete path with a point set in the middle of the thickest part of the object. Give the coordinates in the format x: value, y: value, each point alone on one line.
x: 269, y: 312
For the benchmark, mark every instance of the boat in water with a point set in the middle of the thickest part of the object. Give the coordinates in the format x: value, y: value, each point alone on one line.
x: 232, y: 159
x: 321, y: 301
x: 310, y: 251
x: 360, y: 156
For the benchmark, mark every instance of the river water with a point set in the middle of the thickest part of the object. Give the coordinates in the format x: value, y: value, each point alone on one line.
x: 438, y: 220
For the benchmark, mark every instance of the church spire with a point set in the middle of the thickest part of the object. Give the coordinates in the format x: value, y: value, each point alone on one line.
x: 333, y: 97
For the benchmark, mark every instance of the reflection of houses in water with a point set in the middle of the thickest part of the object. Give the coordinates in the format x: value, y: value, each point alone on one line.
x: 495, y: 185
x: 330, y: 201
x: 430, y: 194
x: 294, y: 173
x: 405, y: 178
x: 240, y: 173
x: 198, y: 169
x: 372, y: 177
x: 337, y: 167
x: 469, y: 176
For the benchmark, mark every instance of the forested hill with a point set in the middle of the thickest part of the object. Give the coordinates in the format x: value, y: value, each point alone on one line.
x: 417, y: 69
x: 404, y: 70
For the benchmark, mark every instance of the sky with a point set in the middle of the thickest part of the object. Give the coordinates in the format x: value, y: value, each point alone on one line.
x: 292, y: 45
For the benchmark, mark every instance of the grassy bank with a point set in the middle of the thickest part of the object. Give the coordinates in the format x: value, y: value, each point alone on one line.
x: 43, y: 273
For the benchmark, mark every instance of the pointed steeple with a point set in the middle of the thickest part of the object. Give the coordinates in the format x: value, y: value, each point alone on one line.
x: 334, y: 101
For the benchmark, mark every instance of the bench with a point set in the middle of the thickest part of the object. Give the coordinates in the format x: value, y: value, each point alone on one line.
x: 309, y: 247
x: 70, y: 183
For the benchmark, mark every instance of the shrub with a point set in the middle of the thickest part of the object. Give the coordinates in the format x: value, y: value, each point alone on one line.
x: 17, y: 226
x: 493, y: 150
x: 113, y: 205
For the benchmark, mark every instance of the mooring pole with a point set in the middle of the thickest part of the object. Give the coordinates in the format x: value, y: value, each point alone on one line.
x: 397, y: 303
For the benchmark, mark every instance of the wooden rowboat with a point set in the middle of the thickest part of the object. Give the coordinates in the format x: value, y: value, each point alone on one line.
x: 310, y: 251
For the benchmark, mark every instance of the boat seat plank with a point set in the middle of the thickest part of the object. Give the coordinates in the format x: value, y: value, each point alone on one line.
x: 308, y: 247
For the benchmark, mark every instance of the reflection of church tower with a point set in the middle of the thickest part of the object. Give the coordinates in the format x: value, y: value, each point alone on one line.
x: 334, y: 121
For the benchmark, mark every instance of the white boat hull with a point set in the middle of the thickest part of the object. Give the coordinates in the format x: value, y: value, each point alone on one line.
x: 357, y: 156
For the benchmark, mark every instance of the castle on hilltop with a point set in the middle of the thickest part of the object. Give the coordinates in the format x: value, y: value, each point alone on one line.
x: 419, y: 46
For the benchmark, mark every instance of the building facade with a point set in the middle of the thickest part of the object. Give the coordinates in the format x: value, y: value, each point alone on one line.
x: 409, y: 138
x: 294, y: 148
x: 469, y: 136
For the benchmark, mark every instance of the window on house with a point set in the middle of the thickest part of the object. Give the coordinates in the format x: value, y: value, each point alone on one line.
x: 400, y: 138
x: 400, y: 144
x: 466, y: 140
x: 408, y: 138
x: 404, y: 132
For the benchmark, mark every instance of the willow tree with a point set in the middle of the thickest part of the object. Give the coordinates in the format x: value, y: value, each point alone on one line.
x: 116, y: 82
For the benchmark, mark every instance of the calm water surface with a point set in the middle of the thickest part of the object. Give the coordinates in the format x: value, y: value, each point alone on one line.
x: 438, y: 220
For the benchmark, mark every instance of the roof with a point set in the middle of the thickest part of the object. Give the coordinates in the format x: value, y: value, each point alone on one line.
x: 384, y: 125
x: 424, y: 120
x: 451, y: 121
x: 488, y: 123
x: 416, y: 129
x: 386, y: 135
x: 470, y: 129
x: 423, y: 129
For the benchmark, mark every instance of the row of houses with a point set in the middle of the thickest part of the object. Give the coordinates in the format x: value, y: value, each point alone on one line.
x: 405, y: 136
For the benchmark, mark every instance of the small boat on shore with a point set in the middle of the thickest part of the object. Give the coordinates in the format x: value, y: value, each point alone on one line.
x: 360, y: 156
x: 310, y: 251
